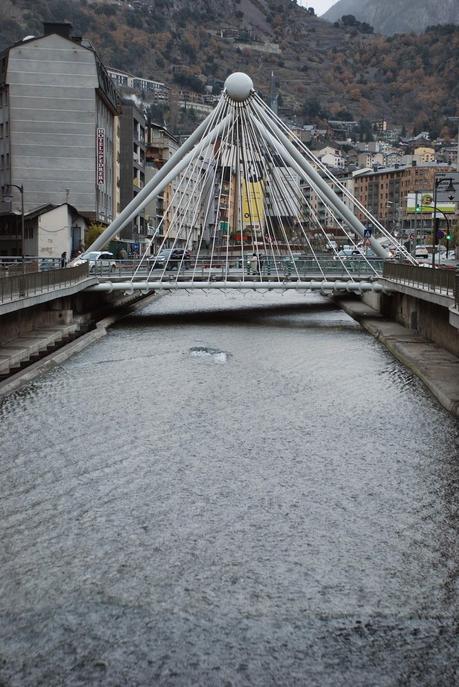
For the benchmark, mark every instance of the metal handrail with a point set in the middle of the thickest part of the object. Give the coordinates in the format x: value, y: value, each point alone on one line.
x: 236, y: 266
x: 16, y: 287
x: 440, y: 280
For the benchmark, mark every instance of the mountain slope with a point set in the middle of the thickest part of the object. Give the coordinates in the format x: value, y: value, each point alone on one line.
x: 393, y: 16
x: 322, y: 70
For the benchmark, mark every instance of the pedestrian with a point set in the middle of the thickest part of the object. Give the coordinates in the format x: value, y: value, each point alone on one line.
x: 123, y: 254
x: 253, y: 264
x: 64, y: 259
x: 261, y: 259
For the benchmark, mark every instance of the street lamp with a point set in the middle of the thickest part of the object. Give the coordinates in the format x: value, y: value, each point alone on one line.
x: 450, y: 189
x: 7, y: 197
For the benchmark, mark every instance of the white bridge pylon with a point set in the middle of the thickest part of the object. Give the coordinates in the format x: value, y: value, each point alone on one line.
x: 240, y: 210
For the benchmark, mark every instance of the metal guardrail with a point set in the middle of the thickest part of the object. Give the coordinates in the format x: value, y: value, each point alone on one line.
x: 20, y: 286
x: 236, y: 266
x: 11, y: 265
x: 441, y: 280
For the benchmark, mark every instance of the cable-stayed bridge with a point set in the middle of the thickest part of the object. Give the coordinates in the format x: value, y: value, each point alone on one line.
x: 239, y: 213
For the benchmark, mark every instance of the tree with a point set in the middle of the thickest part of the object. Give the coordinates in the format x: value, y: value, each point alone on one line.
x: 365, y: 130
x: 312, y: 108
x: 344, y: 116
x: 92, y: 233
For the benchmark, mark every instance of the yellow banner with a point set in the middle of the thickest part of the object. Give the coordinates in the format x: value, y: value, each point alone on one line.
x: 253, y: 204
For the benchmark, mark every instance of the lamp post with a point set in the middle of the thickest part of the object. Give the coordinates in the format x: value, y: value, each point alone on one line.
x: 438, y: 183
x: 21, y: 190
x: 456, y: 119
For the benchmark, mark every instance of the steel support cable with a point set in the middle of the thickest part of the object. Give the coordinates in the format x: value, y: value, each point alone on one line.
x: 220, y: 157
x: 245, y: 186
x: 280, y: 195
x: 239, y: 191
x: 232, y: 158
x: 336, y: 181
x: 180, y: 212
x: 321, y: 165
x: 322, y: 229
x: 269, y: 225
x: 182, y: 162
x: 210, y: 200
x: 209, y: 178
x: 284, y: 233
x: 216, y: 158
x: 284, y: 184
x: 197, y: 202
x: 186, y: 174
x: 340, y: 223
x: 257, y: 162
x: 257, y: 153
x: 350, y: 238
x: 269, y: 171
x: 306, y: 170
x: 133, y: 208
x: 343, y: 228
x: 189, y: 173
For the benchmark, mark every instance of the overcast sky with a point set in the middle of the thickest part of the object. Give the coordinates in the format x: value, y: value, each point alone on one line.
x: 320, y: 6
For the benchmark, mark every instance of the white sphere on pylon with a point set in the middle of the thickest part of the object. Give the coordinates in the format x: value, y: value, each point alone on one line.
x: 238, y: 86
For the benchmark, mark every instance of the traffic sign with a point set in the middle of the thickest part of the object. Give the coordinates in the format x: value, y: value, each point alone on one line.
x: 447, y: 184
x: 367, y: 233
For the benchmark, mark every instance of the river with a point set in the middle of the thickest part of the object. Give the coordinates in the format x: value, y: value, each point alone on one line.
x: 228, y: 490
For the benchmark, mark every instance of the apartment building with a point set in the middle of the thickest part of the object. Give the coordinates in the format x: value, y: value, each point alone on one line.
x: 384, y: 192
x: 157, y: 89
x: 177, y: 213
x: 132, y: 169
x: 58, y: 113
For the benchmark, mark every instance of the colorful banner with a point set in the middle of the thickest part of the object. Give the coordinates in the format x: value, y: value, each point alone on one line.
x: 253, y: 205
x: 423, y: 202
x: 100, y: 145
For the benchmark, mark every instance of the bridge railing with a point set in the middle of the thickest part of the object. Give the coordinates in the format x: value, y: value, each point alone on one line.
x: 239, y: 267
x: 444, y: 281
x: 11, y: 265
x: 15, y: 287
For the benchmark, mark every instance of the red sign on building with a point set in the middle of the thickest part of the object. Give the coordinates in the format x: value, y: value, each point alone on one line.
x: 100, y: 139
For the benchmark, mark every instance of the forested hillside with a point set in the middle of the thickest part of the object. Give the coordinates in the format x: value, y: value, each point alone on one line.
x: 321, y: 70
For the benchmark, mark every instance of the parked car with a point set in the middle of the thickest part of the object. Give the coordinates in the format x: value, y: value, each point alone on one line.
x: 170, y: 258
x: 348, y: 252
x: 99, y: 260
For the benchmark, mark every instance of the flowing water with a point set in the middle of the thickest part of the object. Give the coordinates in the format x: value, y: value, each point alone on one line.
x: 228, y: 490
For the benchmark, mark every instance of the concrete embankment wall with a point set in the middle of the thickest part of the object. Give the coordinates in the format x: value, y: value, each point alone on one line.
x: 434, y: 361
x: 36, y: 338
x: 429, y: 319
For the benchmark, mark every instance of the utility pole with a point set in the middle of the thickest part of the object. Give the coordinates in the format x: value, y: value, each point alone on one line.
x: 21, y: 191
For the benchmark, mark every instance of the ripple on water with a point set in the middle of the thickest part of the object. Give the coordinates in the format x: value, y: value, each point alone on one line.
x: 209, y: 354
x: 288, y: 517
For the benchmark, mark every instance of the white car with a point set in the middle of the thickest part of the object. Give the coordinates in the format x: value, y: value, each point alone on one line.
x: 100, y: 261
